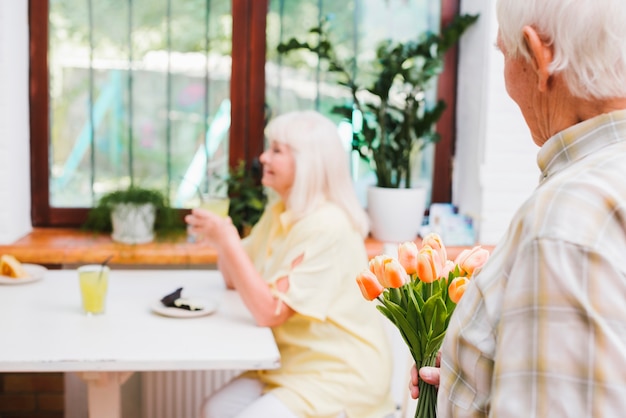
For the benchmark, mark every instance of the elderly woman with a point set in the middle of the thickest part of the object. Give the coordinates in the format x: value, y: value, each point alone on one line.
x: 541, y: 330
x: 296, y: 274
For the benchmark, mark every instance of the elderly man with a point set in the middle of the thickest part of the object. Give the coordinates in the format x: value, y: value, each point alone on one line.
x: 541, y: 331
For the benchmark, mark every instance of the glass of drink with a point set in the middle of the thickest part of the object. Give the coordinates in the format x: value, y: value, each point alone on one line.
x: 214, y: 203
x: 94, y: 281
x: 217, y: 204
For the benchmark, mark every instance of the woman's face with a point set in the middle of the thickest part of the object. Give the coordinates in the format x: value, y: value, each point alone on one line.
x: 279, y: 168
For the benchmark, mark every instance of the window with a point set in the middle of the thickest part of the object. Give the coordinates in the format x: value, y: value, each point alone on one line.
x: 153, y: 109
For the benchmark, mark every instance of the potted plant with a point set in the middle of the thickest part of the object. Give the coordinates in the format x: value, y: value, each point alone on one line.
x: 247, y: 196
x: 134, y: 215
x: 392, y: 121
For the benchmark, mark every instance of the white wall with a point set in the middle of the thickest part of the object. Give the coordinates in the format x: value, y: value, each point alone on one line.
x: 495, y: 164
x: 14, y: 128
x: 494, y: 168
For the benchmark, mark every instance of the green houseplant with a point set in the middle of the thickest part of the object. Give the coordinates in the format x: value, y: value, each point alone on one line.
x: 391, y: 116
x: 396, y: 121
x: 133, y: 215
x: 247, y: 196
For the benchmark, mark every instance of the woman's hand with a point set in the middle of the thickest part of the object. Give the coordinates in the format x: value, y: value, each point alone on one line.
x: 429, y: 375
x: 209, y: 227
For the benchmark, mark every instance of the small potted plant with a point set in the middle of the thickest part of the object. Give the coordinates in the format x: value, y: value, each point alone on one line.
x: 247, y: 196
x: 392, y: 121
x: 134, y: 215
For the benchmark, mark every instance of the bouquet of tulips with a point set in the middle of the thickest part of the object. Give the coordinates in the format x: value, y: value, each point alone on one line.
x: 418, y: 292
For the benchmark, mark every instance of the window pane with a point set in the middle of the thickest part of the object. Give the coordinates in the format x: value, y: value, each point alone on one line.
x: 298, y: 81
x: 137, y: 88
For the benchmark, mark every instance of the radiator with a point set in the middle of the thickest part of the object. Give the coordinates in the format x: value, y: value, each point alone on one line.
x: 179, y: 394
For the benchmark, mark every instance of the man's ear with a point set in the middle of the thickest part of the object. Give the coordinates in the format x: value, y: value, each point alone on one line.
x: 541, y: 55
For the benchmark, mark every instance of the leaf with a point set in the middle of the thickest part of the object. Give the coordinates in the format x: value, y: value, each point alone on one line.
x: 401, y: 322
x: 439, y: 319
x: 428, y: 311
x: 433, y: 344
x: 415, y: 308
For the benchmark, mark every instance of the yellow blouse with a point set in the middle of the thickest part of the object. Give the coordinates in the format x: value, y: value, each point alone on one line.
x: 334, y: 351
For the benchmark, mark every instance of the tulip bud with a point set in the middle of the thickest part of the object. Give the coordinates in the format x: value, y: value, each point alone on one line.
x: 376, y: 266
x: 369, y: 285
x: 407, y: 256
x: 435, y: 242
x: 394, y: 274
x: 428, y: 264
x: 470, y: 261
x: 457, y: 288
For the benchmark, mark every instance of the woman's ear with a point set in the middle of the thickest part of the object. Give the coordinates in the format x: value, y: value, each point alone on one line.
x: 541, y: 54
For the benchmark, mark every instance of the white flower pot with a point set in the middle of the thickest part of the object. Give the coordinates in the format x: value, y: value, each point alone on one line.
x: 396, y: 215
x: 133, y: 224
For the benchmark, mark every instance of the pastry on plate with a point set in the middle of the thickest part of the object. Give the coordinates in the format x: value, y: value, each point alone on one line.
x: 175, y: 300
x: 11, y: 267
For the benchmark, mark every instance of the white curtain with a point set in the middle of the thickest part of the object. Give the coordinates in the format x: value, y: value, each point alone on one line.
x: 14, y: 126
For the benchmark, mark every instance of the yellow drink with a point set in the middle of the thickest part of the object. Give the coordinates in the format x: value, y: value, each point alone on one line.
x: 94, y: 280
x: 217, y: 205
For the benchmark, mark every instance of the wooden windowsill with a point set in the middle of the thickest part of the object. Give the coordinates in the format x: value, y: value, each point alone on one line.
x: 64, y: 246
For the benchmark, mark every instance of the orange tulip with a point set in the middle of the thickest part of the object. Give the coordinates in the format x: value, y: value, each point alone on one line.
x: 470, y: 261
x: 435, y: 242
x: 369, y: 285
x: 457, y: 288
x: 376, y: 265
x: 407, y: 256
x: 394, y: 274
x: 429, y: 265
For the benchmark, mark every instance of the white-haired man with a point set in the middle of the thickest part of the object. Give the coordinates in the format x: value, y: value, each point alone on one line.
x: 541, y: 331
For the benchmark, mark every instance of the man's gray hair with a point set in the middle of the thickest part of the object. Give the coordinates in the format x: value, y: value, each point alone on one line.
x: 588, y: 36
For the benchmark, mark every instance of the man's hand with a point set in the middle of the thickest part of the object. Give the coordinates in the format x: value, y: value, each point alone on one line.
x: 429, y: 375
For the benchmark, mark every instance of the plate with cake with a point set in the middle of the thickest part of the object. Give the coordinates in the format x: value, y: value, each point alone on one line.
x: 176, y: 306
x: 12, y: 271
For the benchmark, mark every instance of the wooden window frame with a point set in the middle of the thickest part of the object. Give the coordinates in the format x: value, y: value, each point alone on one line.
x: 247, y: 93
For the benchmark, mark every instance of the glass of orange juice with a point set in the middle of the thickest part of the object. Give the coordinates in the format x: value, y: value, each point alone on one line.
x: 94, y: 281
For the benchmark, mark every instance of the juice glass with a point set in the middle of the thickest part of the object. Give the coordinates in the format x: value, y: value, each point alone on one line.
x: 93, y: 280
x: 216, y: 204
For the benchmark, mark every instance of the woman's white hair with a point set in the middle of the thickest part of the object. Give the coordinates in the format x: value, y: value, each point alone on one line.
x: 588, y: 37
x: 321, y: 164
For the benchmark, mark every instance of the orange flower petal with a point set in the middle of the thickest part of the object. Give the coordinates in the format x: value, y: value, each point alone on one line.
x: 457, y: 288
x: 428, y: 264
x: 470, y: 261
x: 376, y: 266
x: 369, y: 285
x: 395, y: 275
x: 407, y: 256
x: 434, y: 241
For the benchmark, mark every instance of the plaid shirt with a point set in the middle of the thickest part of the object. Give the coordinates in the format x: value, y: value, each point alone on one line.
x: 541, y: 331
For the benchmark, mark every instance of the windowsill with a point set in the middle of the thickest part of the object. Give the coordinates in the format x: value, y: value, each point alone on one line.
x: 58, y: 247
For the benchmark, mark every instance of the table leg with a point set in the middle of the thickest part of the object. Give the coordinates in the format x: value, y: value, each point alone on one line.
x: 103, y: 393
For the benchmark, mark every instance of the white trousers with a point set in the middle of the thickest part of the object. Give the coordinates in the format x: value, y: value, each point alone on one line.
x: 244, y: 398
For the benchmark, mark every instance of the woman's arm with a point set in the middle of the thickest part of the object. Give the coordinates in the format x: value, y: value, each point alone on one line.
x: 238, y: 270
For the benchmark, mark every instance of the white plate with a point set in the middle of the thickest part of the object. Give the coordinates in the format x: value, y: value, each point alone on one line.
x: 209, y: 307
x: 35, y: 272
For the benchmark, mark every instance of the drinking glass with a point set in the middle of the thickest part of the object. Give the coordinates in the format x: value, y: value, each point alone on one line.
x: 218, y: 204
x: 94, y: 281
x: 215, y: 203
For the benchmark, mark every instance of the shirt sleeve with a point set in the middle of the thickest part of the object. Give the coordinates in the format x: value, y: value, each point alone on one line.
x: 328, y: 251
x: 312, y: 280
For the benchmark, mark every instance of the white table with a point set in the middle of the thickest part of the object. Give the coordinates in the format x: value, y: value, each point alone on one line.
x: 43, y: 329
